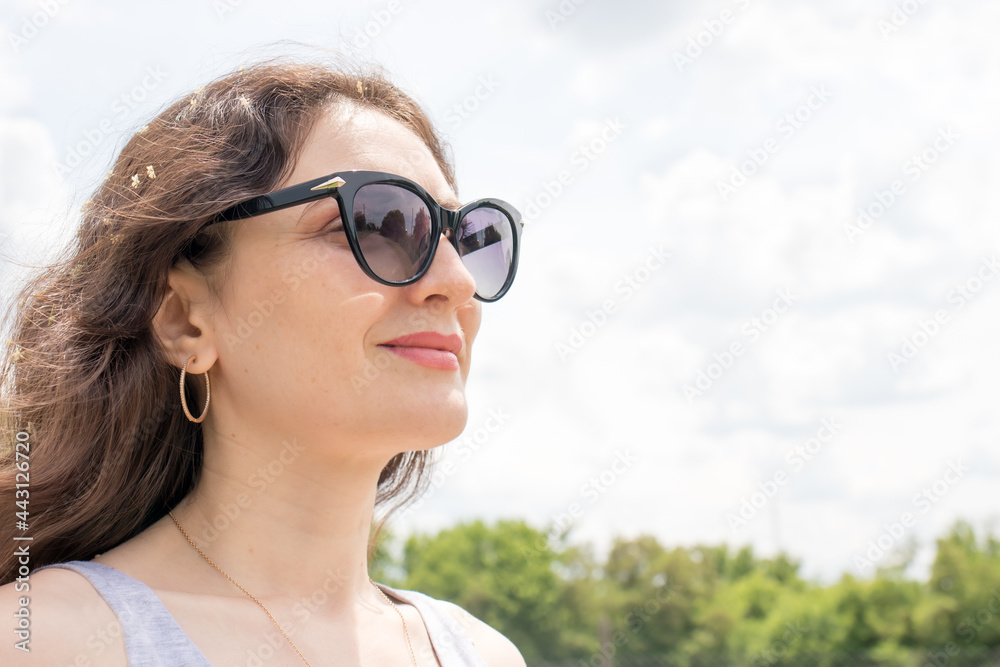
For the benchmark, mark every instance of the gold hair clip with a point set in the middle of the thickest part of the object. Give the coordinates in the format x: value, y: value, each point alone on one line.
x: 150, y: 172
x: 135, y: 181
x: 195, y: 95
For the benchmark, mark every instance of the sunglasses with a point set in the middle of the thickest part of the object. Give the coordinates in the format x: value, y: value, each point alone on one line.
x: 393, y: 226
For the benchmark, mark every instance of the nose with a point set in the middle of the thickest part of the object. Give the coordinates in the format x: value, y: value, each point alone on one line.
x: 447, y: 275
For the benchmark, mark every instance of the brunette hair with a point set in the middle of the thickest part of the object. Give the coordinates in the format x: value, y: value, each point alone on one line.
x: 84, y: 379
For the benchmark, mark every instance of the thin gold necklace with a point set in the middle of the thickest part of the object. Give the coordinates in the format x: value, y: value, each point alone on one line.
x: 406, y: 632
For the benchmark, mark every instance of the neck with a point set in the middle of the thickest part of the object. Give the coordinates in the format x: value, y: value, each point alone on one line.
x: 292, y: 527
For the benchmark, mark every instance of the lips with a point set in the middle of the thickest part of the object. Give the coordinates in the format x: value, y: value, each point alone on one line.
x: 429, y: 339
x: 428, y: 348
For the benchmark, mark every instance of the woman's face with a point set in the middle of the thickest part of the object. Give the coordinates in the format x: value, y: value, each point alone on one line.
x: 300, y: 325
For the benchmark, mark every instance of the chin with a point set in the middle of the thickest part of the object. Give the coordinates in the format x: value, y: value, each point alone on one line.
x: 448, y: 427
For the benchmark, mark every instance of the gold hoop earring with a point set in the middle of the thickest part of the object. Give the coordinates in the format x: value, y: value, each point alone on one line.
x: 208, y: 394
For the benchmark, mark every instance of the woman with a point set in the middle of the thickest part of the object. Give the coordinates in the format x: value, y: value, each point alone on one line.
x: 225, y: 518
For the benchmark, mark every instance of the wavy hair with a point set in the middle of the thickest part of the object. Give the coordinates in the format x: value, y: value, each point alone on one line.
x: 84, y: 380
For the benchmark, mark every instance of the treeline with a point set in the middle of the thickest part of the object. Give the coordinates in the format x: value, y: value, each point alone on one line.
x: 706, y: 605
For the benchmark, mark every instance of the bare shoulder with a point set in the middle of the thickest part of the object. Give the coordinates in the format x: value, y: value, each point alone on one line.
x: 493, y: 647
x: 67, y: 623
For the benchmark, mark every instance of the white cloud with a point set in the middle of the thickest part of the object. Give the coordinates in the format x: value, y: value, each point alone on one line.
x: 32, y: 208
x: 658, y: 182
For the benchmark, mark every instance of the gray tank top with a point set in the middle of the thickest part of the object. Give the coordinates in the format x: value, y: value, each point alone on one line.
x: 154, y: 639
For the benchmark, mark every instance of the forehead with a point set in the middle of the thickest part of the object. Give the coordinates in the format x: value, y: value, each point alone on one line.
x: 347, y: 137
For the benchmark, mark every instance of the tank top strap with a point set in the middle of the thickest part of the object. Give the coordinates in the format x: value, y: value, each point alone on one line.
x: 151, y: 634
x: 452, y: 644
x: 154, y: 639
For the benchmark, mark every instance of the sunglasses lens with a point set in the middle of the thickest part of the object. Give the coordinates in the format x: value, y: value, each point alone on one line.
x: 486, y: 245
x: 393, y: 227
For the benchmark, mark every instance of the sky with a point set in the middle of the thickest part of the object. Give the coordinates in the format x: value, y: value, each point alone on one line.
x: 758, y: 296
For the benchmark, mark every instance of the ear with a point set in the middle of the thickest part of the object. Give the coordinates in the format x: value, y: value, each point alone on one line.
x: 184, y: 322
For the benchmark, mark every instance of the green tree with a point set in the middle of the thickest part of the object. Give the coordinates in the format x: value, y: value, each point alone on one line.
x: 504, y: 574
x: 962, y: 606
x: 650, y: 593
x: 706, y: 605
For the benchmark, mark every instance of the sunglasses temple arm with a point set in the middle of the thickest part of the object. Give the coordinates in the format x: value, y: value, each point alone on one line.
x: 275, y: 201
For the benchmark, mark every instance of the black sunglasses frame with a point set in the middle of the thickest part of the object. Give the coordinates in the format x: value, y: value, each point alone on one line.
x: 343, y: 185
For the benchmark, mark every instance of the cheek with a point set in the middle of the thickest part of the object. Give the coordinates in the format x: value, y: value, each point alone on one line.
x: 324, y: 323
x: 256, y: 301
x: 289, y: 305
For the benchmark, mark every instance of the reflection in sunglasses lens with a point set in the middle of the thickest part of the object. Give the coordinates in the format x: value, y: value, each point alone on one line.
x: 393, y: 228
x: 486, y: 245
